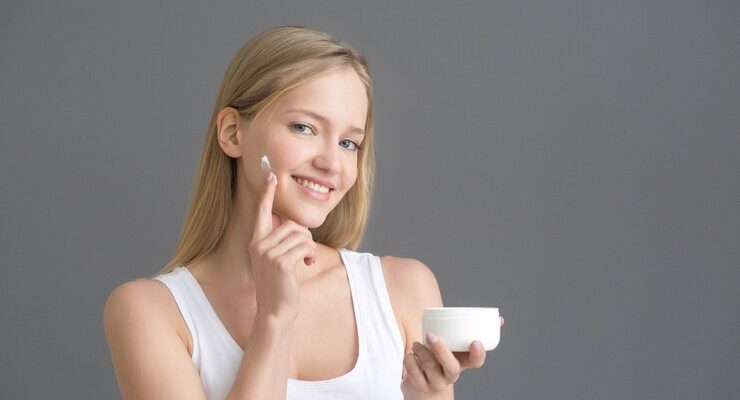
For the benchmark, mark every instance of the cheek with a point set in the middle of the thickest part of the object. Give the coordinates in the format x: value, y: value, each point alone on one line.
x: 284, y: 157
x: 351, y: 180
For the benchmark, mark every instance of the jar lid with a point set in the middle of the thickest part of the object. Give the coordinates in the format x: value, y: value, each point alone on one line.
x: 455, y: 312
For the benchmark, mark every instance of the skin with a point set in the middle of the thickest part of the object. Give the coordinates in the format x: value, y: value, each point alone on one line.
x: 315, y: 149
x: 292, y: 150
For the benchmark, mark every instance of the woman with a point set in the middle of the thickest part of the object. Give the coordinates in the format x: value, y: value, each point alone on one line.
x: 264, y: 298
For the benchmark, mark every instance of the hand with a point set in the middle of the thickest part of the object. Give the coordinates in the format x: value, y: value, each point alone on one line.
x: 430, y: 369
x: 274, y: 254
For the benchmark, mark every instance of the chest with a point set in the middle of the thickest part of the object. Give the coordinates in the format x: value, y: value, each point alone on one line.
x: 324, y: 340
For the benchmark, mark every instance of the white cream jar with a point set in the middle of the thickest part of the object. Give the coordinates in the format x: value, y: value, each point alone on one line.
x: 458, y: 327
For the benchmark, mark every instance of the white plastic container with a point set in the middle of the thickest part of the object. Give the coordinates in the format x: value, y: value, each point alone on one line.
x: 458, y: 327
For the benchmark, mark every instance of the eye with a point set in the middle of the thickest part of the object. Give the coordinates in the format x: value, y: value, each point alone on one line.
x: 300, y: 125
x: 357, y: 145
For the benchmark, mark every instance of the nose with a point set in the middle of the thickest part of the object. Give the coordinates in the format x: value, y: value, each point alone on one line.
x: 329, y: 160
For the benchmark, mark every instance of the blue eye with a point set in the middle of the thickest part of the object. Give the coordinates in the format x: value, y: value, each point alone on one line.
x: 357, y: 145
x: 294, y: 125
x: 298, y: 124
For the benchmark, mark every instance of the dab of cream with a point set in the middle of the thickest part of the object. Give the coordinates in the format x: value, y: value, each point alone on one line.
x: 265, y: 164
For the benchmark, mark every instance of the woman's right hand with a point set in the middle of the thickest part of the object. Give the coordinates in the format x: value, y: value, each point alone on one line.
x: 274, y: 255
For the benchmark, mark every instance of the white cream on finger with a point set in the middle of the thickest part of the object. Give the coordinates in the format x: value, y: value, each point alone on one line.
x: 265, y: 164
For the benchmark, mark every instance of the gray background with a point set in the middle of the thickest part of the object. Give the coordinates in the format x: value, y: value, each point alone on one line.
x: 571, y: 162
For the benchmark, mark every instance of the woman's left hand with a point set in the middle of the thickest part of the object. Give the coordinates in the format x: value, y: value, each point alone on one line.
x: 429, y: 370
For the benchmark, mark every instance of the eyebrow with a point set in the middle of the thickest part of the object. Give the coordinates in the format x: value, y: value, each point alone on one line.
x: 324, y: 119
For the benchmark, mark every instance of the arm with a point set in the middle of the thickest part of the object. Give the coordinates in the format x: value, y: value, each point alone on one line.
x: 431, y: 369
x: 149, y: 358
x: 263, y: 373
x: 426, y: 294
x: 152, y: 362
x: 414, y: 287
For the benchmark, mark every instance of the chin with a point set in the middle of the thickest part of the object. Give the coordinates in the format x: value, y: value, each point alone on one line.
x: 307, y: 218
x: 311, y: 222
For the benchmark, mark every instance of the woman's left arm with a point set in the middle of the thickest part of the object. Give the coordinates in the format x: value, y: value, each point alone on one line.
x: 430, y: 368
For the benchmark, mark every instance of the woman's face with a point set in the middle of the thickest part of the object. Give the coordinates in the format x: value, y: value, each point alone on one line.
x: 299, y: 144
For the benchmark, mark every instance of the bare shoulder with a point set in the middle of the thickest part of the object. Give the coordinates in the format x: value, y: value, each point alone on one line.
x: 140, y: 295
x: 142, y: 300
x: 412, y: 286
x: 412, y: 275
x: 145, y: 344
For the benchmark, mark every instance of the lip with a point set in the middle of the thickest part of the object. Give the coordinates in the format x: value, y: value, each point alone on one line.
x: 316, y: 180
x: 312, y: 193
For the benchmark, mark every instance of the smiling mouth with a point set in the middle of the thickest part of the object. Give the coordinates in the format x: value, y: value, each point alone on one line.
x: 312, y: 186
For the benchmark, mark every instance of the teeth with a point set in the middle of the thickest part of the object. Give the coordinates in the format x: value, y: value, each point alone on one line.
x: 313, y: 186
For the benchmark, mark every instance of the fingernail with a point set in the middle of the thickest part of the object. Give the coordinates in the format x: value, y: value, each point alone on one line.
x: 269, y: 176
x: 478, y: 344
x: 431, y: 338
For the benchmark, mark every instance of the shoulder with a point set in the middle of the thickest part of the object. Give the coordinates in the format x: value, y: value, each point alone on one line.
x: 413, y: 276
x: 137, y: 295
x: 145, y: 345
x: 412, y: 287
x: 138, y: 303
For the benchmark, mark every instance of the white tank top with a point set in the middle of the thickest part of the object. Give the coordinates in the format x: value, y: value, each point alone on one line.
x: 376, y: 375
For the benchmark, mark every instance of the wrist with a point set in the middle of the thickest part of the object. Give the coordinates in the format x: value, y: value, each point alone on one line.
x: 272, y: 321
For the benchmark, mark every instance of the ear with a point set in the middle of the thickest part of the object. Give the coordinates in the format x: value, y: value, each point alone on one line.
x: 230, y: 129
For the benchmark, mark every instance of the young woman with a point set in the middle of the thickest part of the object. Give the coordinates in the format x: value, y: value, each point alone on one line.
x: 266, y: 296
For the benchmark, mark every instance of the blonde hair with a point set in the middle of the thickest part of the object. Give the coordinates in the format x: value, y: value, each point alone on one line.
x: 266, y: 67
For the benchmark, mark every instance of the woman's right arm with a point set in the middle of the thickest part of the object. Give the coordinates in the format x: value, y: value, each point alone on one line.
x: 274, y: 254
x: 151, y: 361
x: 149, y: 357
x: 263, y: 373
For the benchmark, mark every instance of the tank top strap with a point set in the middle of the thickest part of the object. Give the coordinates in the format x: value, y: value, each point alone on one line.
x: 379, y: 321
x: 188, y: 302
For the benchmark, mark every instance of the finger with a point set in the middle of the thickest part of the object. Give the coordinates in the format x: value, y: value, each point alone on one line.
x: 502, y: 321
x: 450, y: 365
x: 290, y: 242
x: 297, y: 254
x: 285, y: 230
x: 473, y: 358
x: 414, y: 375
x: 264, y: 220
x: 429, y: 364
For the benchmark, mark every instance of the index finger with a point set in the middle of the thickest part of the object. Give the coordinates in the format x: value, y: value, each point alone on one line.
x: 263, y: 224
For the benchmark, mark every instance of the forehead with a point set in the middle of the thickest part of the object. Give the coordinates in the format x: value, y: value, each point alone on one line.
x: 339, y: 95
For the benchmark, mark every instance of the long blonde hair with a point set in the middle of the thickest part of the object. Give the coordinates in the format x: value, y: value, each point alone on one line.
x: 266, y: 67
